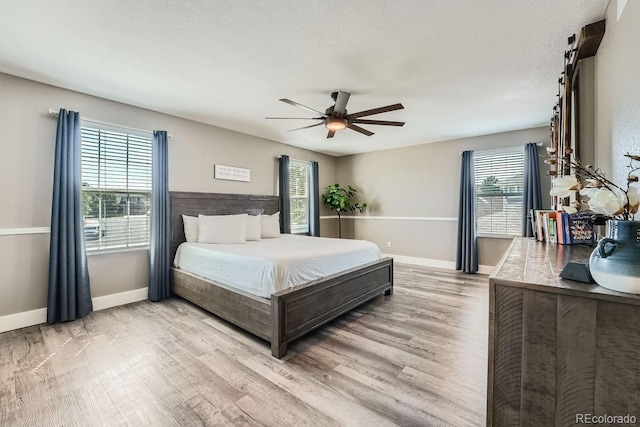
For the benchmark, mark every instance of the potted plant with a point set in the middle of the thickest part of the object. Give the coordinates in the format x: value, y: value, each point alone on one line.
x: 341, y: 200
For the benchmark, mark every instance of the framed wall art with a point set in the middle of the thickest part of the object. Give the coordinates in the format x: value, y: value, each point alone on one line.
x: 231, y: 173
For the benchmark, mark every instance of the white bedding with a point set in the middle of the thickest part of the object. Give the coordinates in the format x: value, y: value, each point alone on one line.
x: 267, y: 266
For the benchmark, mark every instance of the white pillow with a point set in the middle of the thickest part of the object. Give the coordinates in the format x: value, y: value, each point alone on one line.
x: 190, y: 228
x: 270, y: 225
x: 253, y: 227
x: 222, y: 228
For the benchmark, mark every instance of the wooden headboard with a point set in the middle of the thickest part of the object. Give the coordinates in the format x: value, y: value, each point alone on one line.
x: 193, y: 204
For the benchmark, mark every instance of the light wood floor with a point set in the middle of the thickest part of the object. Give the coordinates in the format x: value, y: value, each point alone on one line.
x: 415, y: 358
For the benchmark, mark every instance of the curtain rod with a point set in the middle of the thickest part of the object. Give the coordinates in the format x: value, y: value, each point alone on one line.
x: 54, y: 113
x: 539, y: 144
x: 295, y: 160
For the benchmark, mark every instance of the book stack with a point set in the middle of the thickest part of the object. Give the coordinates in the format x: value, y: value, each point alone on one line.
x: 563, y: 228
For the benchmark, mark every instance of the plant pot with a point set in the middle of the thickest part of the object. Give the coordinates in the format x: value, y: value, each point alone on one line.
x: 615, y: 263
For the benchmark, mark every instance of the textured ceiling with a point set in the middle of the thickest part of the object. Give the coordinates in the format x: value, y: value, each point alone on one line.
x: 460, y: 67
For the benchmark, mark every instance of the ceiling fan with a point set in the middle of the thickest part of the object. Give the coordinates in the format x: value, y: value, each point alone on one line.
x: 336, y: 117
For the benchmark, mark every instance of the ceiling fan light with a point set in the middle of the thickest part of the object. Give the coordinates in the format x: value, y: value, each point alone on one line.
x: 335, y: 123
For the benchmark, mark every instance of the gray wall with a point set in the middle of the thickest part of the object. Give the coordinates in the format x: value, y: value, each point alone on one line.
x: 422, y: 181
x: 26, y: 173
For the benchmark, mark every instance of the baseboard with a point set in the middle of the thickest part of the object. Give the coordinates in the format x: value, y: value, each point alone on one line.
x: 436, y: 263
x: 108, y: 301
x: 22, y: 320
x: 36, y: 317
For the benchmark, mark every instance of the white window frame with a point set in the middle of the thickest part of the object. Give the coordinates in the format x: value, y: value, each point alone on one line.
x: 100, y: 244
x: 300, y: 228
x: 517, y: 190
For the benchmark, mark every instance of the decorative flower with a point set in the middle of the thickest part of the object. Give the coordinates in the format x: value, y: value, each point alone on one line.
x: 565, y: 186
x: 605, y: 197
x: 604, y: 201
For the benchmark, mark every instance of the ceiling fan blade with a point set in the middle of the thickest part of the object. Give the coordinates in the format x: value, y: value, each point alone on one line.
x: 341, y: 104
x: 305, y: 127
x: 290, y: 102
x: 375, y: 111
x: 331, y: 133
x: 359, y: 129
x: 296, y: 118
x: 377, y: 122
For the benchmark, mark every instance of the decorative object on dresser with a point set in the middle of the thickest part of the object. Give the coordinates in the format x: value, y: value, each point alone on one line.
x: 575, y: 229
x: 615, y: 263
x: 340, y: 200
x: 289, y: 313
x: 577, y: 270
x: 605, y: 197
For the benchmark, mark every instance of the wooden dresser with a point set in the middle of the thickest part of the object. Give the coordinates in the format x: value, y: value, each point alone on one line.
x: 558, y: 348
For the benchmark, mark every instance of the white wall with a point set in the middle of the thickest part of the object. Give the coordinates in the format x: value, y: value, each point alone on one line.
x: 618, y: 91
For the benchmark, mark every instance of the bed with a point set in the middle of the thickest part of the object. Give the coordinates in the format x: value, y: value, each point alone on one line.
x: 286, y: 314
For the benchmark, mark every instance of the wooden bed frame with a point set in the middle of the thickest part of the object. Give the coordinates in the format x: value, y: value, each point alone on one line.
x: 289, y: 314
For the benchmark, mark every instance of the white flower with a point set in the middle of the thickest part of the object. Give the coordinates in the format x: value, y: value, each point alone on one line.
x: 564, y: 186
x: 604, y: 201
x: 601, y: 196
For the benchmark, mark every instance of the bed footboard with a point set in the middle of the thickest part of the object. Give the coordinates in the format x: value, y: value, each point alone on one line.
x: 299, y: 310
x: 249, y: 312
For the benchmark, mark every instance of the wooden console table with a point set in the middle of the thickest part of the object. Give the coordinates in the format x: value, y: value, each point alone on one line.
x: 558, y: 348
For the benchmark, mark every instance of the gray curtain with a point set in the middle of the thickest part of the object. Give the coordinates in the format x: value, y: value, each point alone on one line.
x: 314, y: 201
x: 467, y: 253
x: 531, y: 194
x: 159, y: 240
x: 285, y: 201
x: 69, y: 294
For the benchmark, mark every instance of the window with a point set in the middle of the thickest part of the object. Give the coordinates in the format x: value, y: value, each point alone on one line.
x: 299, y: 177
x: 116, y: 188
x: 498, y: 179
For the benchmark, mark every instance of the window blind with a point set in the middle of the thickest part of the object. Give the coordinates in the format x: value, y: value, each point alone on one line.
x: 299, y: 173
x: 116, y: 189
x: 499, y: 184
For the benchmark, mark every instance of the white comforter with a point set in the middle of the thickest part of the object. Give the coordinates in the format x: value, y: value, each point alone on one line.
x: 270, y: 265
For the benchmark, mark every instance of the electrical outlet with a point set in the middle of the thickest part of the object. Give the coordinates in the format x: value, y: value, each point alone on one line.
x: 388, y: 244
